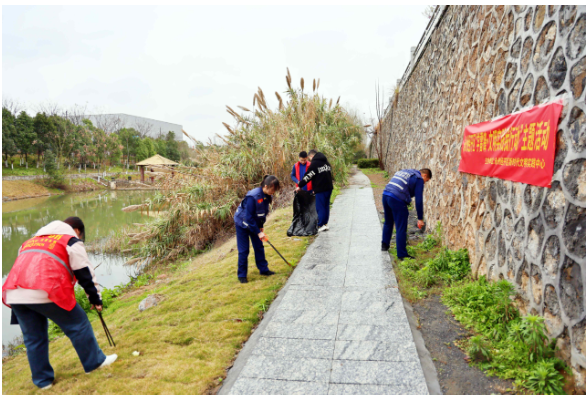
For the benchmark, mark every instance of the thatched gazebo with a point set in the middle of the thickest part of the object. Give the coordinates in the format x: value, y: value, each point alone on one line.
x: 154, y: 161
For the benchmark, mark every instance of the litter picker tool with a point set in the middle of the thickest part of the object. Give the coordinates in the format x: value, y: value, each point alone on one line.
x: 266, y: 240
x: 108, y: 335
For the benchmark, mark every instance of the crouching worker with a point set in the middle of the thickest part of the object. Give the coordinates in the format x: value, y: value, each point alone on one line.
x: 40, y: 285
x: 403, y: 186
x: 249, y: 220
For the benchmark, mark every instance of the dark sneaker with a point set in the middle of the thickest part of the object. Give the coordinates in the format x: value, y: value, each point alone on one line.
x: 407, y: 258
x: 267, y: 273
x: 385, y: 247
x: 243, y: 280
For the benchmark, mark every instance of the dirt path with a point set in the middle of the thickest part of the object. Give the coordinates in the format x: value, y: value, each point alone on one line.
x: 440, y: 330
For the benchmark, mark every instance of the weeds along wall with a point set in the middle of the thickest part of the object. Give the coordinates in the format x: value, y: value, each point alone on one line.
x: 473, y: 64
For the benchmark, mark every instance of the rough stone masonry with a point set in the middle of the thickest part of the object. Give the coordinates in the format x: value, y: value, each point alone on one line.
x: 480, y: 62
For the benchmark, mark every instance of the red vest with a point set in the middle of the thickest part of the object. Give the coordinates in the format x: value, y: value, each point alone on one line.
x: 43, y: 264
x: 297, y: 169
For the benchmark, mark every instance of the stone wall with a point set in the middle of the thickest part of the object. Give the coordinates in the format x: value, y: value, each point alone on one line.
x: 480, y: 62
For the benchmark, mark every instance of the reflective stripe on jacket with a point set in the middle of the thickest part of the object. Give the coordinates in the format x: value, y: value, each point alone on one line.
x: 43, y: 264
x: 399, y: 184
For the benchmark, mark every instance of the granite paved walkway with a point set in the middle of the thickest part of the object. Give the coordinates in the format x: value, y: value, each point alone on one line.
x: 338, y: 326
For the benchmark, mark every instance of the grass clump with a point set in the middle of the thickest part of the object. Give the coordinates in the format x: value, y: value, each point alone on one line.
x: 506, y: 344
x: 433, y: 268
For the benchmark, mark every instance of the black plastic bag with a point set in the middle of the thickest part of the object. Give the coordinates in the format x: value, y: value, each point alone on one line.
x: 305, y: 220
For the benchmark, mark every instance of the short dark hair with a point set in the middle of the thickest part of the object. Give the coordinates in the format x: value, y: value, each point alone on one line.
x: 77, y: 223
x: 303, y: 154
x: 312, y: 152
x: 270, y: 181
x: 428, y: 172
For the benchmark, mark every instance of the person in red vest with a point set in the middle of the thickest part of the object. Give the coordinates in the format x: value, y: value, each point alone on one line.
x: 299, y: 170
x: 40, y: 285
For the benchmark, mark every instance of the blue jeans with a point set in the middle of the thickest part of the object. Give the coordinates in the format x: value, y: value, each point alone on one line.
x: 395, y: 212
x: 243, y: 237
x: 323, y: 207
x: 32, y: 319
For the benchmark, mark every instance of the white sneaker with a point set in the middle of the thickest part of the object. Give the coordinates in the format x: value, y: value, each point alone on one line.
x: 46, y: 387
x: 109, y: 360
x: 323, y: 228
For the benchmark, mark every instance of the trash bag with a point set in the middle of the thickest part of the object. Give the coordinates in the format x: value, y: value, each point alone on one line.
x: 305, y: 220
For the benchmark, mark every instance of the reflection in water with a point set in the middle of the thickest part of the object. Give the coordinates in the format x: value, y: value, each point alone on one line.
x: 102, y: 216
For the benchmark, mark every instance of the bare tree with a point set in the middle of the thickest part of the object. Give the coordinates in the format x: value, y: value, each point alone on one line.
x: 12, y: 105
x: 429, y: 11
x: 76, y: 114
x: 49, y: 108
x: 143, y: 127
x: 377, y: 128
x: 107, y: 122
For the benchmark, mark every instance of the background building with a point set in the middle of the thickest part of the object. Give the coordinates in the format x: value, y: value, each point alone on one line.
x: 146, y: 126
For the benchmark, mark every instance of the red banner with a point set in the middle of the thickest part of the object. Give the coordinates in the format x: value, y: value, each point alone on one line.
x: 518, y: 147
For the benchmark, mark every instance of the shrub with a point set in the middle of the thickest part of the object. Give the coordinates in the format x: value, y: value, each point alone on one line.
x: 55, y: 177
x: 477, y: 348
x: 506, y: 345
x: 544, y: 379
x: 368, y: 163
x: 360, y: 154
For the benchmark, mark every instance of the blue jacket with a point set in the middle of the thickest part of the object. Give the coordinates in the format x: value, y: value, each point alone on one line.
x: 404, y: 185
x: 252, y: 212
x: 302, y: 172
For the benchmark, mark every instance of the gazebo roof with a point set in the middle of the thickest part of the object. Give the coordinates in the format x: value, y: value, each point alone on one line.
x: 156, y: 160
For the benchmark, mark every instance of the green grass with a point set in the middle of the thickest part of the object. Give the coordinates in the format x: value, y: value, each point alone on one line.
x: 503, y: 343
x: 336, y: 192
x: 186, y: 342
x: 371, y: 171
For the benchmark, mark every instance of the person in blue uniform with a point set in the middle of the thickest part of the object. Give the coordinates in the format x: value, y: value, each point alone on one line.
x: 249, y: 219
x: 404, y: 185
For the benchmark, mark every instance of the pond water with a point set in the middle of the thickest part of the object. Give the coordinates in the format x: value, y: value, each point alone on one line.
x: 102, y: 215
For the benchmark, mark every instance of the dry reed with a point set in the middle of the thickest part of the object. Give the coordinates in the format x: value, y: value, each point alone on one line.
x: 200, y: 205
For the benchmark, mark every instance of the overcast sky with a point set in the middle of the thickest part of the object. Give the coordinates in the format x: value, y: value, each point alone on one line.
x: 184, y: 64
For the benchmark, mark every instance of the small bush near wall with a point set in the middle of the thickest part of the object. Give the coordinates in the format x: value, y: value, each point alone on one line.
x: 368, y: 163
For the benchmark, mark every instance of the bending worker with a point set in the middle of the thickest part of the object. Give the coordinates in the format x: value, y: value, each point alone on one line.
x: 249, y: 220
x: 404, y: 185
x: 299, y: 170
x: 40, y: 285
x: 319, y: 174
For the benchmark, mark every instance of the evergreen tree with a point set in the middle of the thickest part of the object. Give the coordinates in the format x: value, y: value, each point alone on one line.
x: 42, y: 125
x: 25, y: 134
x: 146, y: 149
x: 55, y: 176
x: 8, y: 134
x: 172, y: 147
x: 129, y: 138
